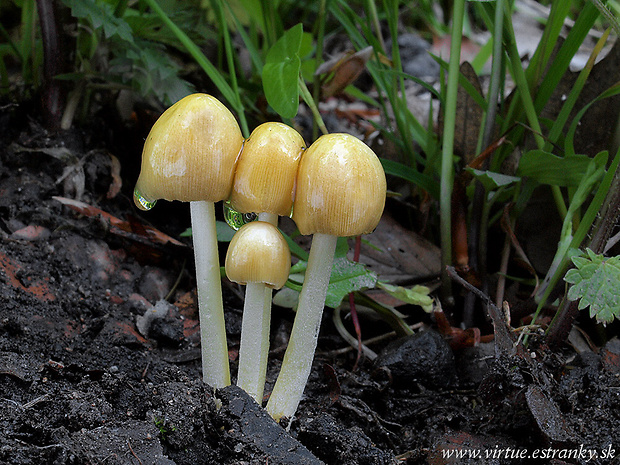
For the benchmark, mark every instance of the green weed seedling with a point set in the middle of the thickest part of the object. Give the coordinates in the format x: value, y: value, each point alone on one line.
x: 594, y: 282
x: 164, y: 428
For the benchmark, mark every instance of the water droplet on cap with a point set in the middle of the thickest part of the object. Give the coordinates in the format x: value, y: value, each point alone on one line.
x: 237, y: 219
x: 142, y: 202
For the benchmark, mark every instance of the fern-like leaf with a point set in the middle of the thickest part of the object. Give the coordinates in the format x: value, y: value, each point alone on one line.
x: 596, y: 284
x: 101, y: 15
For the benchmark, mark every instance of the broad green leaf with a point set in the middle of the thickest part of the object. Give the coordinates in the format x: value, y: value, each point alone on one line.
x: 596, y: 284
x: 546, y: 168
x: 342, y: 247
x: 491, y: 180
x: 306, y: 47
x: 346, y: 277
x: 281, y: 73
x: 417, y: 295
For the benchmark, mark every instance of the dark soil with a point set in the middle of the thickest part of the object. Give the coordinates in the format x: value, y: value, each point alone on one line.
x: 79, y: 384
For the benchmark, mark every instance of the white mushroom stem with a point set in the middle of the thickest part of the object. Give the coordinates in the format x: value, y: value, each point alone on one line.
x: 254, y: 348
x: 299, y: 355
x: 268, y: 218
x: 214, y: 349
x: 255, y: 326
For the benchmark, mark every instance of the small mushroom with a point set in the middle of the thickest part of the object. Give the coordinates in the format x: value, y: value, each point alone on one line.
x: 341, y: 190
x: 259, y: 257
x: 190, y: 155
x: 264, y: 184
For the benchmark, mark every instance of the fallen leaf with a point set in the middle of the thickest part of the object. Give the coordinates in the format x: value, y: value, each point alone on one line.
x: 399, y: 255
x: 118, y: 226
x: 346, y: 69
x: 117, y: 183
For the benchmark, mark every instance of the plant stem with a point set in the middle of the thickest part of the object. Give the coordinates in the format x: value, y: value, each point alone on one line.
x: 271, y: 218
x: 53, y: 95
x: 214, y: 349
x: 307, y: 96
x: 354, y: 342
x: 316, y: 85
x: 228, y: 49
x: 496, y: 69
x: 609, y: 16
x: 371, y: 10
x: 447, y: 156
x: 71, y: 107
x: 297, y: 362
x: 478, y: 223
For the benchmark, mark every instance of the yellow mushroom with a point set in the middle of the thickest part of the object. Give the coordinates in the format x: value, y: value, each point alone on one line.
x: 266, y: 170
x: 258, y: 256
x: 190, y: 155
x: 341, y: 191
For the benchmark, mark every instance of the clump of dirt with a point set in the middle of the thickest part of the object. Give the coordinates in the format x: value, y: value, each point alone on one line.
x: 80, y: 383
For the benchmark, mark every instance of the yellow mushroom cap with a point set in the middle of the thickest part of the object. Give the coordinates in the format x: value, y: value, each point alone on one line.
x: 266, y: 170
x: 258, y: 253
x: 190, y: 153
x: 341, y: 187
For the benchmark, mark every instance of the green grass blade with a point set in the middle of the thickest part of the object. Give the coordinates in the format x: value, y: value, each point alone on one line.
x: 407, y: 173
x: 447, y: 154
x: 230, y: 60
x: 253, y: 51
x: 567, y: 51
x: 558, y: 13
x: 518, y: 74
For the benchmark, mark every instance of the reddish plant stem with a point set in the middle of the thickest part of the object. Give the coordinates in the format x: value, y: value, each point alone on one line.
x: 466, y: 256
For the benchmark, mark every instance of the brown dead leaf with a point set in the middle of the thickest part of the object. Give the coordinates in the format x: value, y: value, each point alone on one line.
x: 468, y: 117
x: 345, y: 70
x: 117, y: 183
x: 591, y: 136
x: 118, y: 226
x: 399, y: 255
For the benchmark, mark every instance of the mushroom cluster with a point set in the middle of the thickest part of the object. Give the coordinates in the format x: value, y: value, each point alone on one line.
x: 334, y: 188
